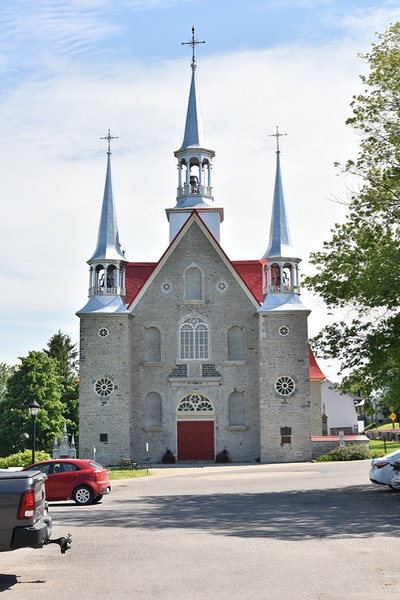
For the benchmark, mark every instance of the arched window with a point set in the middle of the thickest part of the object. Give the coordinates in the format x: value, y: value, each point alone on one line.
x: 194, y: 339
x: 195, y: 403
x: 153, y: 410
x: 99, y: 277
x: 236, y: 343
x: 287, y: 275
x: 152, y: 345
x: 275, y: 275
x: 237, y: 409
x: 193, y: 284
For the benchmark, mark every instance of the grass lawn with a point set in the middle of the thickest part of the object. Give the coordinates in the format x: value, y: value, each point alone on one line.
x: 127, y: 473
x: 381, y: 447
x: 389, y: 426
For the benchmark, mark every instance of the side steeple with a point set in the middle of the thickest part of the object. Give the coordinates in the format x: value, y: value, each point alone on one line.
x: 108, y: 262
x: 195, y: 160
x: 280, y: 265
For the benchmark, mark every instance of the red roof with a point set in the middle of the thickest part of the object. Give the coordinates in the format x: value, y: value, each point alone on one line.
x: 315, y: 371
x: 138, y: 273
x: 249, y: 270
x: 136, y: 276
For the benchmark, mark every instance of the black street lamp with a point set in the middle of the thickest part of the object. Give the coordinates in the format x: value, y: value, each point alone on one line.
x: 33, y: 411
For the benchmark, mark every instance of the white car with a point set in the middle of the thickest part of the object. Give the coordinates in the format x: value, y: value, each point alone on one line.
x: 395, y: 483
x: 381, y: 470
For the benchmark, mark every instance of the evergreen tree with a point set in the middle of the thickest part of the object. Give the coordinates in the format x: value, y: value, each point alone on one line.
x: 64, y: 352
x: 359, y: 268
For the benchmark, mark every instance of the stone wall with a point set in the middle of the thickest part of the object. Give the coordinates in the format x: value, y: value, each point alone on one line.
x: 324, y: 444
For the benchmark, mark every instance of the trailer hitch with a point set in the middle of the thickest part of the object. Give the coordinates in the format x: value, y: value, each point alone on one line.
x: 63, y: 542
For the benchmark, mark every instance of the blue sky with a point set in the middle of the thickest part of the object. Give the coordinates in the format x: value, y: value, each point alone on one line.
x: 72, y: 69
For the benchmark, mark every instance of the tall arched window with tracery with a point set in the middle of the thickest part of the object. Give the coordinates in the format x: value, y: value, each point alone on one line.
x: 194, y: 339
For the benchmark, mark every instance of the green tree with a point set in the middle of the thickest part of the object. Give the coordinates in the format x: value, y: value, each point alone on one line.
x: 37, y: 379
x: 64, y: 352
x: 358, y: 270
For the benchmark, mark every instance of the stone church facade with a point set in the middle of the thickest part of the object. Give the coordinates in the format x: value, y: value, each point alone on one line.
x: 195, y: 353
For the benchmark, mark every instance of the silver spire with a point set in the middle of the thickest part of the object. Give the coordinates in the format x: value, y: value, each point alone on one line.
x: 194, y: 134
x: 108, y: 246
x: 280, y: 245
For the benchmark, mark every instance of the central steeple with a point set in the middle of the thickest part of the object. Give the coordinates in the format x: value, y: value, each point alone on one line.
x: 195, y: 190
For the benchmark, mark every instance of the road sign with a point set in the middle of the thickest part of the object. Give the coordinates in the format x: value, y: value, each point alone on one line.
x: 392, y: 416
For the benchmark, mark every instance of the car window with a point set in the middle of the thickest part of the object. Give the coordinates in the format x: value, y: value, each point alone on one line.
x: 58, y: 467
x: 70, y: 467
x: 95, y: 465
x: 44, y: 468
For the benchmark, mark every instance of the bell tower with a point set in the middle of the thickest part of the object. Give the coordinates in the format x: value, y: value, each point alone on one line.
x: 105, y: 386
x: 195, y: 163
x: 285, y: 399
x: 108, y: 262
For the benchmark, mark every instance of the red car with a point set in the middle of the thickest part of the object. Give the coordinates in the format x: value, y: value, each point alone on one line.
x: 83, y: 480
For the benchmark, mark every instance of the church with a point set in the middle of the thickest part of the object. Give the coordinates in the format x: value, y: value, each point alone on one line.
x: 196, y: 353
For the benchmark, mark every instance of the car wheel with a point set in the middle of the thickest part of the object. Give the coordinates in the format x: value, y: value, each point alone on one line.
x: 97, y: 499
x: 83, y: 495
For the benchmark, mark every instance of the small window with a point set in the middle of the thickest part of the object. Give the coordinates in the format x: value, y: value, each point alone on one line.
x: 152, y: 345
x: 236, y: 344
x: 193, y: 284
x: 285, y: 386
x: 195, y: 403
x: 237, y: 409
x: 104, y: 438
x: 153, y: 410
x: 286, y: 435
x: 104, y: 387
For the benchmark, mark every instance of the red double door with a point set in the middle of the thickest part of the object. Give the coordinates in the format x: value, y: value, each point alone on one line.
x: 196, y: 440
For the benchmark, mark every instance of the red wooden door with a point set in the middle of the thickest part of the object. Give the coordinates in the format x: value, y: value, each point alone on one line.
x: 196, y: 440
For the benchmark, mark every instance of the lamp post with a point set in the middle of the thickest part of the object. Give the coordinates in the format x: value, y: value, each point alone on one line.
x: 33, y: 411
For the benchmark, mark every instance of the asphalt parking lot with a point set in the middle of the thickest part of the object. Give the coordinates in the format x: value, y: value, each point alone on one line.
x: 244, y: 532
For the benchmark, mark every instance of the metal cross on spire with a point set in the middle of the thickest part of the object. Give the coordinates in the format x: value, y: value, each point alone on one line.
x: 193, y: 42
x: 109, y: 137
x: 277, y: 135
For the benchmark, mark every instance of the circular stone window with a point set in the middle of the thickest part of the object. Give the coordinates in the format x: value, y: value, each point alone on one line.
x: 285, y: 386
x: 222, y: 286
x: 103, y: 332
x: 284, y: 330
x: 104, y: 387
x: 166, y: 287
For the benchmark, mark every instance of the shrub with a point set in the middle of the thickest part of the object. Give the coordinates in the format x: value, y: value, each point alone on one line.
x: 168, y: 457
x: 22, y: 459
x: 349, y: 452
x: 222, y: 457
